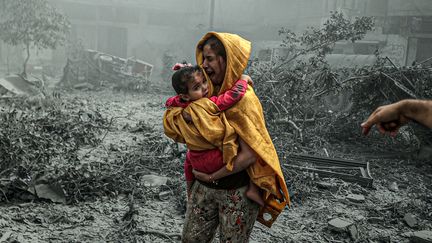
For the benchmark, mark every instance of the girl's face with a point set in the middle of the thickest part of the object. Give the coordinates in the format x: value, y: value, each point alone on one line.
x: 197, y: 87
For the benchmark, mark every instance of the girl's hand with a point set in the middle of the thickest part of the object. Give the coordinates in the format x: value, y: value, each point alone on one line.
x: 247, y: 78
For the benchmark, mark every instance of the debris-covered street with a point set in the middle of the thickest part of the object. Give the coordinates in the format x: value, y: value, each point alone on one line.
x: 110, y: 172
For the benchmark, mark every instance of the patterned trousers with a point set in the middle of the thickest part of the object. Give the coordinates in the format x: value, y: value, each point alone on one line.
x: 209, y: 208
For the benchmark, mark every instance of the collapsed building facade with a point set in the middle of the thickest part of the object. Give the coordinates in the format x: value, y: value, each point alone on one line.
x: 162, y: 32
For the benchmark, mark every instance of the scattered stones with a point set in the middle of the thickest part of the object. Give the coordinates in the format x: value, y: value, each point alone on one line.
x: 339, y: 225
x: 53, y: 192
x: 407, y: 234
x: 165, y: 195
x: 360, y: 217
x: 424, y: 236
x: 393, y: 186
x: 154, y: 180
x: 375, y: 220
x: 84, y: 86
x: 326, y: 185
x: 323, y: 185
x: 353, y: 232
x: 357, y: 198
x: 410, y: 220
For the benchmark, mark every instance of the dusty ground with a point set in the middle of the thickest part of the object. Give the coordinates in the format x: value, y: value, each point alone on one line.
x: 378, y: 219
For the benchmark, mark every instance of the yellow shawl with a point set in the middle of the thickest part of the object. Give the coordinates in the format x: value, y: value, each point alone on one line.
x: 209, y: 130
x: 246, y: 118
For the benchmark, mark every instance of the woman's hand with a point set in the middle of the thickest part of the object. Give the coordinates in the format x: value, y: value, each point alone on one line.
x: 186, y: 117
x: 203, y: 176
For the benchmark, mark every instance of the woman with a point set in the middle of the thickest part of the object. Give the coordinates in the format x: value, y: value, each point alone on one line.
x: 224, y: 57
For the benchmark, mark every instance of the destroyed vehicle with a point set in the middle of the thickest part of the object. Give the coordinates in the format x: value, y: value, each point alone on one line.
x: 98, y: 68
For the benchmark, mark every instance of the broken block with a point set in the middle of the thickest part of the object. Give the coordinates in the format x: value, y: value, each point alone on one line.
x: 357, y: 198
x: 339, y: 225
x: 410, y: 220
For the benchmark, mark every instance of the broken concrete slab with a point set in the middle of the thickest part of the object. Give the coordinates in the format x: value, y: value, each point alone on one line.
x: 154, y: 180
x: 326, y: 185
x: 407, y: 234
x: 165, y: 195
x: 393, y: 186
x: 339, y: 225
x: 424, y: 236
x: 84, y: 86
x: 353, y: 232
x: 357, y: 198
x: 410, y: 220
x: 53, y: 192
x: 17, y: 85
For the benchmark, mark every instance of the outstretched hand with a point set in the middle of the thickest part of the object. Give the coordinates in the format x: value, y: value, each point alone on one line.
x: 388, y: 119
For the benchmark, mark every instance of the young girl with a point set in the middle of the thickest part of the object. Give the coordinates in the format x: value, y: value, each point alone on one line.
x: 190, y: 84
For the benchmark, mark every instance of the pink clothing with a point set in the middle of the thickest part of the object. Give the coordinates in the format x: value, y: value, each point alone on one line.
x: 223, y: 101
x: 209, y: 161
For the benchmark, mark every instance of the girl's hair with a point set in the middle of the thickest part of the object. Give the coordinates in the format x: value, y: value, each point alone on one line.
x: 182, y: 76
x: 216, y: 45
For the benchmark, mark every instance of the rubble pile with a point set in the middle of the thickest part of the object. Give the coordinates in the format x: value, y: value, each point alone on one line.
x: 92, y: 69
x: 59, y: 155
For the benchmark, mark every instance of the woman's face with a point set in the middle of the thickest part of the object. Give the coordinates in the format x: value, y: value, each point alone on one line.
x: 214, y: 65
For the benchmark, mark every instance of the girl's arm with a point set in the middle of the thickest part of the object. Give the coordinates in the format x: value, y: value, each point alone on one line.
x: 232, y: 96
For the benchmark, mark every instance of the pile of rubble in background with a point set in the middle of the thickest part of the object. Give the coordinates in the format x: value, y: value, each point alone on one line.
x: 92, y: 69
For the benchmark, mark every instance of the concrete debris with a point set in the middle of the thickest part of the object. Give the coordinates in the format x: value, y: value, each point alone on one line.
x: 407, y: 234
x: 84, y: 86
x: 154, y: 180
x: 410, y: 220
x: 165, y: 195
x: 357, y: 198
x: 15, y: 85
x: 97, y: 68
x: 393, y: 186
x: 326, y: 185
x: 353, y: 232
x: 334, y: 168
x: 424, y: 236
x: 339, y: 225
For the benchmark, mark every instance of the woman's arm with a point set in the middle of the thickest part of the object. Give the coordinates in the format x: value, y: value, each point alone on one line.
x: 245, y: 158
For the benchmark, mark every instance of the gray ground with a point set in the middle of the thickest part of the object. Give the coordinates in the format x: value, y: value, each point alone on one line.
x: 379, y: 218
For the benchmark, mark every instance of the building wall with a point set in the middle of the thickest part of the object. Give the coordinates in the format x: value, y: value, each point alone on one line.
x: 400, y: 24
x: 149, y: 29
x: 152, y: 28
x: 410, y: 8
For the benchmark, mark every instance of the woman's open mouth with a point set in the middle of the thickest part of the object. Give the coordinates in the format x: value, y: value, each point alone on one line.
x: 210, y: 74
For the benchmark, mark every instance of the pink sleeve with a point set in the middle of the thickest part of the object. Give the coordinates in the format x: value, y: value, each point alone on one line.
x: 231, y: 96
x: 175, y: 101
x: 188, y: 169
